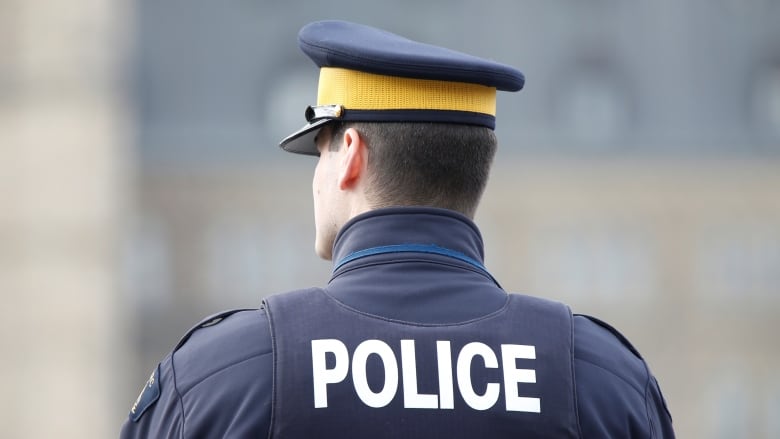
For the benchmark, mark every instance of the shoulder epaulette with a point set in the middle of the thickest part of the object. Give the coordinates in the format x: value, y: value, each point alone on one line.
x: 209, y: 321
x: 614, y: 332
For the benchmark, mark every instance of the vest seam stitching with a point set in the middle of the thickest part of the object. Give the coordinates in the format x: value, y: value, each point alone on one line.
x: 274, y: 368
x: 178, y: 395
x: 647, y: 406
x: 222, y: 369
x: 573, y: 373
x: 493, y: 314
x: 628, y: 383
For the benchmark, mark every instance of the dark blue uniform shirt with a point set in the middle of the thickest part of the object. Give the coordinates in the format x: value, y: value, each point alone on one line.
x: 416, y: 265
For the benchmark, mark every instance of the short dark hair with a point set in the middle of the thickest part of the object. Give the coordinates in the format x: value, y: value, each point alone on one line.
x: 425, y: 164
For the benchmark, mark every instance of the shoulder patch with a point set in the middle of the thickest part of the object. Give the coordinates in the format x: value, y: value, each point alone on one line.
x: 149, y: 395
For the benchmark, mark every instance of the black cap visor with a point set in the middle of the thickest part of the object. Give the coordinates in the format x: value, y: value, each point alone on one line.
x: 303, y: 140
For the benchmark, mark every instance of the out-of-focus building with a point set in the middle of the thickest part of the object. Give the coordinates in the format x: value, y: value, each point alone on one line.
x: 64, y: 168
x: 637, y: 179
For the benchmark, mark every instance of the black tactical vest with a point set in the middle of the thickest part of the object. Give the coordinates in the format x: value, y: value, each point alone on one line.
x: 341, y: 373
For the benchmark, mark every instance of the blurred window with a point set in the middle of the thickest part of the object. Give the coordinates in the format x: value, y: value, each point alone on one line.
x: 592, y: 106
x: 247, y: 258
x: 604, y: 262
x: 147, y: 264
x: 772, y: 412
x: 730, y: 407
x: 739, y: 261
x: 236, y: 266
x: 765, y: 101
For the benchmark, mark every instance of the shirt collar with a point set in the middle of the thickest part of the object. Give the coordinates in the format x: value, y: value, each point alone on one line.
x: 409, y: 225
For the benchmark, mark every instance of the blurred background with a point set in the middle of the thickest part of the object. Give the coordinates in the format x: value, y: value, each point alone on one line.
x: 141, y: 188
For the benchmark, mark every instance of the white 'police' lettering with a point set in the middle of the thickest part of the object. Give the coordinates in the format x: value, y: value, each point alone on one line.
x: 324, y: 376
x: 513, y: 376
x: 411, y: 396
x: 467, y: 354
x: 412, y: 399
x: 444, y: 359
x: 360, y: 374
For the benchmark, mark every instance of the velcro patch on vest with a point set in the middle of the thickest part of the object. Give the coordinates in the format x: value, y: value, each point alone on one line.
x: 149, y: 395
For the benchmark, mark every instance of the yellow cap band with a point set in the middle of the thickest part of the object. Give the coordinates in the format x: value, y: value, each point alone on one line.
x: 357, y: 90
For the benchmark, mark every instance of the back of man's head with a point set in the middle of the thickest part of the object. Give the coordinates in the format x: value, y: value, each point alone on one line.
x: 443, y: 165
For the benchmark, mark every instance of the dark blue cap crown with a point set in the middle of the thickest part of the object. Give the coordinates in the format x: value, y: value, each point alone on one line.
x: 367, y: 49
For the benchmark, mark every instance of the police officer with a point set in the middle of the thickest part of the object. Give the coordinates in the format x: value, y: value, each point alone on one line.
x: 412, y: 337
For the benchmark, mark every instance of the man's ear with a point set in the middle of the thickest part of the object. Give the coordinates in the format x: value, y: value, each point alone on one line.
x: 354, y: 160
